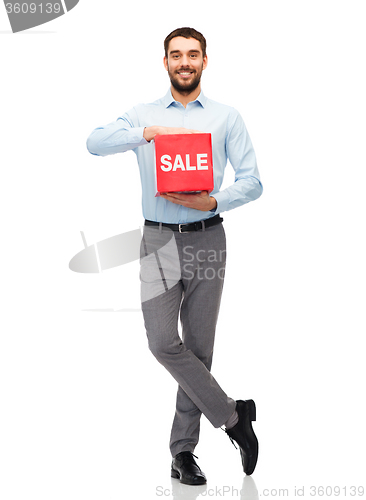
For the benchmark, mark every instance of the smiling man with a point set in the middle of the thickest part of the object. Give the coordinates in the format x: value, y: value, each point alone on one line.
x: 184, y: 248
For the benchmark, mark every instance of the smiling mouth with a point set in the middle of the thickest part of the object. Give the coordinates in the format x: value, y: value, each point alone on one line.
x: 185, y: 74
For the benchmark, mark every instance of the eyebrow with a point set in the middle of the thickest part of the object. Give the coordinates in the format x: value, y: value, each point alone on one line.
x: 179, y: 51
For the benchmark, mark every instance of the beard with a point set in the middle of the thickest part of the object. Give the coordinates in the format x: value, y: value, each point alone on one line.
x: 182, y: 86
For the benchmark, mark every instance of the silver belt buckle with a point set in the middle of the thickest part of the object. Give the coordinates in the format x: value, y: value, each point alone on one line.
x: 180, y: 228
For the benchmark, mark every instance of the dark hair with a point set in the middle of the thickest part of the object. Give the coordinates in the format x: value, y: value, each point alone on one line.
x: 186, y: 33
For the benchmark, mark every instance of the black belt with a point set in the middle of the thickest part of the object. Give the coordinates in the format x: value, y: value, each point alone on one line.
x: 192, y: 226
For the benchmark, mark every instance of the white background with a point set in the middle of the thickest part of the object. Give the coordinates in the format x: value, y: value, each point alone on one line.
x: 86, y: 409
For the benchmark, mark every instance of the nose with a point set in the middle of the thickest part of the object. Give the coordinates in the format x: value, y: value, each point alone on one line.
x: 185, y: 60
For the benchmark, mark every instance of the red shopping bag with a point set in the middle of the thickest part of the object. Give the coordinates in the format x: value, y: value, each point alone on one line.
x: 183, y: 163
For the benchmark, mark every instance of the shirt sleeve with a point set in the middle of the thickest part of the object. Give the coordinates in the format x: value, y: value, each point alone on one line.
x: 239, y: 149
x: 116, y: 137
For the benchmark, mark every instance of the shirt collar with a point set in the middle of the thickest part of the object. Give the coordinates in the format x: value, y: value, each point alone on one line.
x: 169, y: 99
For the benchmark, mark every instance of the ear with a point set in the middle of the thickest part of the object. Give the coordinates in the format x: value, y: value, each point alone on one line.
x: 165, y: 63
x: 205, y: 61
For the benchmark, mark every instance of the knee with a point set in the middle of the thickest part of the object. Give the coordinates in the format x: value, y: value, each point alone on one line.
x: 164, y: 350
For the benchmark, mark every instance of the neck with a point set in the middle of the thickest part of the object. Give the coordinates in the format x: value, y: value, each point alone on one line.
x: 185, y: 97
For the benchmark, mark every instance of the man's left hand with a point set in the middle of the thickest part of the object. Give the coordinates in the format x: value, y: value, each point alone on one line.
x: 199, y: 201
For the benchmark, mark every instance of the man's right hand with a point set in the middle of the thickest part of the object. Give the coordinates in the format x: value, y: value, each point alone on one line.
x: 151, y: 132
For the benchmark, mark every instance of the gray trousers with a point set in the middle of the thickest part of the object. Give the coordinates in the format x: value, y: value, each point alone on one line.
x: 182, y: 274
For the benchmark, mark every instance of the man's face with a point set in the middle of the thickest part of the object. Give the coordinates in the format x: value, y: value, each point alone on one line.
x: 185, y: 63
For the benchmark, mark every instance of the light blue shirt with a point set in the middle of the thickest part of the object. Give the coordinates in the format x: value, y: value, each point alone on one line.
x: 230, y: 141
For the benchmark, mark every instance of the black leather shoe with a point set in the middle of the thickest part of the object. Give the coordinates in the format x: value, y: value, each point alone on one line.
x: 244, y: 435
x: 184, y: 467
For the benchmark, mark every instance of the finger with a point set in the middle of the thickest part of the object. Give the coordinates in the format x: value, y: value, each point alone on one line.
x: 170, y: 197
x: 174, y: 200
x: 174, y: 195
x: 182, y: 196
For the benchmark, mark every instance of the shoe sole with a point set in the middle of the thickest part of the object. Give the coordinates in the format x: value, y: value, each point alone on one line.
x: 252, y: 417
